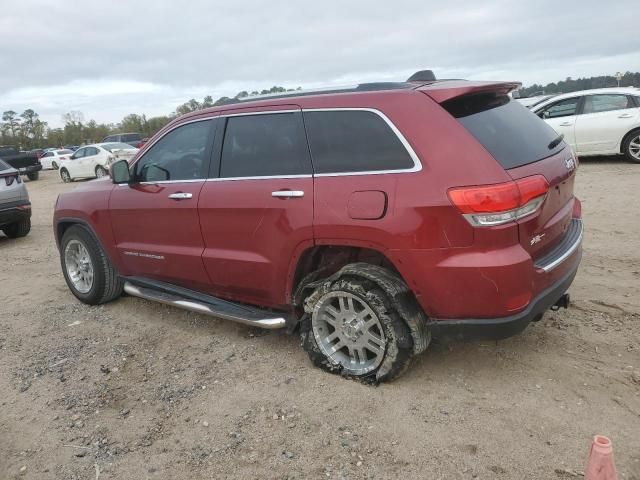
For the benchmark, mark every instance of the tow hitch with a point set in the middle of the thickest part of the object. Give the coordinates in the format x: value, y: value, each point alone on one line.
x: 563, y: 302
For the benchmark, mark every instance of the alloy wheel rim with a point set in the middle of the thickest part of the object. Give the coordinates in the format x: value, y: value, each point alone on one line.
x: 79, y: 266
x: 634, y: 147
x: 65, y: 176
x: 100, y: 172
x: 349, y: 332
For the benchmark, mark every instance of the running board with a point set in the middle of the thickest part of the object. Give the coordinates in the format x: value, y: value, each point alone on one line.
x: 201, y: 303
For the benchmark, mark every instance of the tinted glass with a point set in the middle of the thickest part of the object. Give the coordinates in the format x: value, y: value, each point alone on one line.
x: 563, y: 108
x: 111, y: 138
x: 131, y: 137
x: 353, y: 141
x: 48, y: 154
x: 4, y: 166
x: 179, y: 155
x: 510, y: 132
x: 79, y: 153
x: 606, y: 103
x: 264, y: 145
x: 90, y: 151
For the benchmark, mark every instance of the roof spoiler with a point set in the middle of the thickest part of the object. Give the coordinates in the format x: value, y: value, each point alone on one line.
x: 443, y: 91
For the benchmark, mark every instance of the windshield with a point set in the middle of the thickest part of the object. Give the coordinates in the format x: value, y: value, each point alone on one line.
x: 116, y: 146
x: 510, y: 132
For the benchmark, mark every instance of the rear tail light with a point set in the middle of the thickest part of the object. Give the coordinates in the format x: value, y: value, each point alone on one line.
x: 10, y: 179
x: 501, y: 203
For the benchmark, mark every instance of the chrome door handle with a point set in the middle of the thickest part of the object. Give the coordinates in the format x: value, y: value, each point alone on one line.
x: 287, y: 193
x: 625, y: 115
x: 566, y: 124
x: 180, y: 196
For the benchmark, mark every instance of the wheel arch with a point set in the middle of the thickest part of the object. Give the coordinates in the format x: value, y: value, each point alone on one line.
x: 626, y: 136
x: 320, y: 264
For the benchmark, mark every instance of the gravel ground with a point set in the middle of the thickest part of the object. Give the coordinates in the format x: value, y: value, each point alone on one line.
x: 139, y: 390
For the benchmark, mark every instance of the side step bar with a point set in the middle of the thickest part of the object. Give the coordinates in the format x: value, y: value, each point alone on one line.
x: 202, y: 303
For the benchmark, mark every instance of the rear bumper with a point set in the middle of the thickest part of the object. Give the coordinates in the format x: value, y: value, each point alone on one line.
x: 30, y: 169
x: 449, y: 330
x: 14, y: 212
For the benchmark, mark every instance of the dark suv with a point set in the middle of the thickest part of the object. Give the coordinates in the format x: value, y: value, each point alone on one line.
x: 368, y: 219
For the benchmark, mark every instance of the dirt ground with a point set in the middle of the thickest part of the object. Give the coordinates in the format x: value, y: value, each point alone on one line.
x: 136, y: 390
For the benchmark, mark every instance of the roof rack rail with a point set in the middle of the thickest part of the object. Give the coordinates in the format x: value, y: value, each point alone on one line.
x: 362, y: 87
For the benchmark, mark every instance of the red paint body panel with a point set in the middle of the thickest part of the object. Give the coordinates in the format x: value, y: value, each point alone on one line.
x: 250, y: 236
x: 147, y: 224
x: 238, y: 242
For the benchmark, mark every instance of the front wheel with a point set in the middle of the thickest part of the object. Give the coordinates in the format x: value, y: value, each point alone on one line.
x: 87, y: 270
x: 33, y: 176
x: 64, y: 175
x: 631, y: 147
x: 101, y: 171
x: 353, y: 329
x: 54, y: 165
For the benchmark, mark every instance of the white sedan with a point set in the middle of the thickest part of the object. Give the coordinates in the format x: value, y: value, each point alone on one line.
x: 93, y: 161
x: 596, y: 122
x: 51, y: 159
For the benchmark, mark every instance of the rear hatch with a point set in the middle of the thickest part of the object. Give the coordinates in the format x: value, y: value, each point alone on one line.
x: 524, y: 146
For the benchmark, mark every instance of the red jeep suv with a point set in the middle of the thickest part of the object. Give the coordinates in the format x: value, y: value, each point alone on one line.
x: 369, y: 219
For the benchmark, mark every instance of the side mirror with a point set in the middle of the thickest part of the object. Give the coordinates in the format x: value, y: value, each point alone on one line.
x: 120, y: 172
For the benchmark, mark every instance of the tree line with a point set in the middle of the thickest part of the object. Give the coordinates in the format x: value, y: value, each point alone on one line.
x: 27, y: 131
x: 629, y: 79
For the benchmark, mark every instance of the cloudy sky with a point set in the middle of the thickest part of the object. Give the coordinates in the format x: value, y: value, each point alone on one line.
x: 108, y: 59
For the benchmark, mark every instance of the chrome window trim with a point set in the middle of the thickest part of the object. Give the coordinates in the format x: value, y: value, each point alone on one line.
x: 417, y: 164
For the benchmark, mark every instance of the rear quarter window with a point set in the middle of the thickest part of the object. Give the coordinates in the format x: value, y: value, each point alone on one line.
x: 511, y: 133
x: 348, y: 141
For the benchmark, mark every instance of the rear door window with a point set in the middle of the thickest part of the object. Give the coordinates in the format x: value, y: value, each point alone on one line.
x: 347, y: 141
x: 511, y: 133
x: 264, y: 145
x: 606, y: 103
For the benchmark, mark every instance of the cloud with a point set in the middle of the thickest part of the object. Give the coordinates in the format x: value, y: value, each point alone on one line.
x: 148, y: 56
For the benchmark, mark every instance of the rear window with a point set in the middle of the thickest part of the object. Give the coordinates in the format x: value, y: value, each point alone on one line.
x: 131, y: 137
x: 511, y: 133
x: 353, y: 141
x: 4, y: 166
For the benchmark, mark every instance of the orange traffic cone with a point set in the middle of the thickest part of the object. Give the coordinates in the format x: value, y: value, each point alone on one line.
x: 600, y: 465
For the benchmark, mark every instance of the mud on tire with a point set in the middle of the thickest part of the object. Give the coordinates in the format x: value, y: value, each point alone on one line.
x: 398, y: 341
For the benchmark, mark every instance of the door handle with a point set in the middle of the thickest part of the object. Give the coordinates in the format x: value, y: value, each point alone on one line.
x: 566, y: 124
x: 180, y: 196
x: 625, y: 115
x: 287, y: 194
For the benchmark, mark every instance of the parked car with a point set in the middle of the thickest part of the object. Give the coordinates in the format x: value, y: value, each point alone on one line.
x: 597, y: 122
x: 51, y: 159
x: 368, y: 219
x: 531, y: 102
x: 15, y: 207
x: 93, y: 161
x: 26, y: 163
x: 133, y: 139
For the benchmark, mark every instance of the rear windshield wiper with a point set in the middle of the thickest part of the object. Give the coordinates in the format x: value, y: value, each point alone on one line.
x: 556, y: 142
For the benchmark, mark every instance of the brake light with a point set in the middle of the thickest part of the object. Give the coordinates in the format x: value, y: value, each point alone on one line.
x: 10, y: 179
x: 488, y: 205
